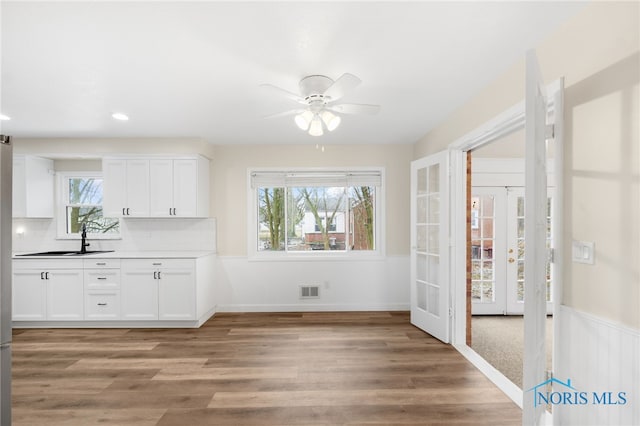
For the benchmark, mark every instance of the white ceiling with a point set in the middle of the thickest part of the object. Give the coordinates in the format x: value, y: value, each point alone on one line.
x: 193, y: 69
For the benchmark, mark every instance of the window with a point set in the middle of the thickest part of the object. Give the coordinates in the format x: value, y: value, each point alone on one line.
x: 81, y: 203
x: 316, y: 212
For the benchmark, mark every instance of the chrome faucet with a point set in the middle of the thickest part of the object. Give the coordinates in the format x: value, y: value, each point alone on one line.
x: 84, y: 244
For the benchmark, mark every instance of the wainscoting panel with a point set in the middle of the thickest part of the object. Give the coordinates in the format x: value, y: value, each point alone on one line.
x: 343, y: 285
x: 598, y: 357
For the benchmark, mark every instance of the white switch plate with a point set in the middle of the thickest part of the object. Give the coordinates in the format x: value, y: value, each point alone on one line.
x: 583, y: 252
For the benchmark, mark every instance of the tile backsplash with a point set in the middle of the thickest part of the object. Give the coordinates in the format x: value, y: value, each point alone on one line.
x: 136, y: 235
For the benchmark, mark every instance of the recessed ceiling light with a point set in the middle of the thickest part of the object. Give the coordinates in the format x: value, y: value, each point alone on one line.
x: 119, y: 116
x: 4, y: 117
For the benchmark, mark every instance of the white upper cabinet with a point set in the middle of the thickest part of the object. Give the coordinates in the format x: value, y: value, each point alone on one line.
x: 185, y: 189
x: 179, y: 187
x: 156, y: 187
x: 33, y: 184
x: 161, y: 188
x: 126, y: 187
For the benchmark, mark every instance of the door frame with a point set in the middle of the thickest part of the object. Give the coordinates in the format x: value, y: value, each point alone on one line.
x: 509, y: 121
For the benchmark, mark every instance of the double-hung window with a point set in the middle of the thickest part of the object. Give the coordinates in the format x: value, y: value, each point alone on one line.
x: 80, y: 203
x: 316, y: 211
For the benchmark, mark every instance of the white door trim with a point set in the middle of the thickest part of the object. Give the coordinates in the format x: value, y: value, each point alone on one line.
x: 511, y: 120
x: 503, y: 124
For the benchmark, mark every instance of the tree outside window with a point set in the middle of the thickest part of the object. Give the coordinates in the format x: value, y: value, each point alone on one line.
x: 83, y: 205
x: 316, y: 218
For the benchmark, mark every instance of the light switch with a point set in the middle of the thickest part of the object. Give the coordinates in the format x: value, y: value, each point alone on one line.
x: 583, y: 252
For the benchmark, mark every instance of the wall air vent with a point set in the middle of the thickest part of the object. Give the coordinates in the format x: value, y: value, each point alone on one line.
x: 309, y: 292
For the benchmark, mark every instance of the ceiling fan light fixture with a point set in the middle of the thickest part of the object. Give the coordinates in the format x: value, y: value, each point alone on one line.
x: 303, y: 120
x: 331, y: 120
x: 315, y: 129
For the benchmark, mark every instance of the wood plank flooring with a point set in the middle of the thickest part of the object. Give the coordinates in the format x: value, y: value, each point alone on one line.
x: 365, y: 368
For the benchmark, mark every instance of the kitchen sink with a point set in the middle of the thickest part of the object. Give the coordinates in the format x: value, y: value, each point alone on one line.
x: 65, y: 253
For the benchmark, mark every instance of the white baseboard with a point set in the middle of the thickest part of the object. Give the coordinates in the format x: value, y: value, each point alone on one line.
x: 497, y: 378
x: 312, y: 308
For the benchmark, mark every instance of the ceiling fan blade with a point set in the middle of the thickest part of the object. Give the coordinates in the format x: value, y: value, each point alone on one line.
x: 341, y: 86
x: 285, y: 113
x: 355, y: 108
x: 281, y: 92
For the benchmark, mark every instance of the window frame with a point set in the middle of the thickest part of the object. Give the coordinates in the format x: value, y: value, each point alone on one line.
x: 62, y: 202
x: 377, y: 253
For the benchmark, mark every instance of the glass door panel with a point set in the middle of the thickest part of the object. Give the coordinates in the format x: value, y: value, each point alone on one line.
x: 429, y: 294
x: 516, y: 253
x: 488, y: 230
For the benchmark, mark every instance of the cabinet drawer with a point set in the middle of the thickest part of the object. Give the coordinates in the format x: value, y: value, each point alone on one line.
x: 46, y: 264
x: 101, y: 263
x: 157, y: 263
x: 102, y: 305
x: 107, y: 279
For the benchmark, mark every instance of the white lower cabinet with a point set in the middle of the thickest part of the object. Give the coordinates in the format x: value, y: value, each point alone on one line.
x: 158, y: 289
x: 177, y: 294
x: 29, y: 295
x: 102, y: 305
x: 102, y: 290
x: 65, y: 295
x: 139, y: 292
x: 168, y: 291
x: 48, y: 290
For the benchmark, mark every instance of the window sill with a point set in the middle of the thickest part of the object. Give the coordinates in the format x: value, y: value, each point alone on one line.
x: 315, y: 257
x: 89, y: 237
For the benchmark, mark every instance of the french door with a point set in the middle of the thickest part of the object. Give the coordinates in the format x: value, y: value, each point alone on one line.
x: 497, y: 251
x: 430, y: 245
x: 516, y: 251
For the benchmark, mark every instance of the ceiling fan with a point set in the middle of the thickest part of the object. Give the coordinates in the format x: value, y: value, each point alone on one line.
x: 318, y: 94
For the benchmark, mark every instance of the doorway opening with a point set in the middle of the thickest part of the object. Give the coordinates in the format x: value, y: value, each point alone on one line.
x: 496, y: 215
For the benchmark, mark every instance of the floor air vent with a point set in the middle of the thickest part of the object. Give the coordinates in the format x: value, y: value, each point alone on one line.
x: 309, y: 291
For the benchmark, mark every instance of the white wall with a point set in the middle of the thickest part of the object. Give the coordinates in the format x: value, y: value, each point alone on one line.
x: 230, y: 184
x: 597, y: 53
x: 597, y: 336
x: 244, y: 284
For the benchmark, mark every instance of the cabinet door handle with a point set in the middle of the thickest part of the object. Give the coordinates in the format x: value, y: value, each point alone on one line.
x: 174, y: 211
x: 102, y: 278
x: 159, y: 277
x: 155, y: 275
x: 128, y: 214
x: 42, y: 275
x: 100, y: 263
x: 123, y: 211
x: 46, y: 275
x: 102, y: 304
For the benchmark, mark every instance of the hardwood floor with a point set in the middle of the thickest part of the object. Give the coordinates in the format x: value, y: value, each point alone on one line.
x: 252, y: 369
